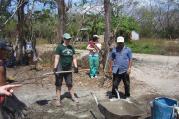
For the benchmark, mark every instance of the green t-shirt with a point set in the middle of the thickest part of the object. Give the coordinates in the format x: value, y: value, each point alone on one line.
x: 66, y: 55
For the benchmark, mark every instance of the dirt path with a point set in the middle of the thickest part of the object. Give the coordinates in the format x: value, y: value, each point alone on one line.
x: 160, y: 72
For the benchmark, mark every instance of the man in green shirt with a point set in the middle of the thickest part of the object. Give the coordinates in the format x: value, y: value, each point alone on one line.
x: 64, y: 58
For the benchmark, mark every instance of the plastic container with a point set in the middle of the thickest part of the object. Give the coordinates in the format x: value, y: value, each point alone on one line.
x: 163, y: 108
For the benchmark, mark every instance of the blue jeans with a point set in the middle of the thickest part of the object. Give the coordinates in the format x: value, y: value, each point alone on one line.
x: 93, y: 64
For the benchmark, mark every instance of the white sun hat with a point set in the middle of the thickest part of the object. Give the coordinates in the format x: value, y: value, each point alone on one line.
x: 95, y: 36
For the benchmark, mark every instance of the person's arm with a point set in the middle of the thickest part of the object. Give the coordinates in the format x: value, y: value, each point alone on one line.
x: 97, y: 47
x: 57, y: 58
x: 130, y: 61
x: 110, y: 66
x: 2, y: 75
x: 75, y: 64
x: 110, y: 61
x: 89, y: 48
x: 129, y: 67
x: 75, y: 61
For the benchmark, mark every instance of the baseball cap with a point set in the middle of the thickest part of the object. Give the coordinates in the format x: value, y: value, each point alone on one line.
x: 66, y: 36
x: 4, y: 46
x: 120, y: 39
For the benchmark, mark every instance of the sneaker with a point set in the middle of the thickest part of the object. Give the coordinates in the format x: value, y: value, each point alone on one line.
x: 57, y: 103
x: 75, y: 99
x: 128, y: 100
x: 95, y: 76
x: 91, y: 77
x: 114, y: 99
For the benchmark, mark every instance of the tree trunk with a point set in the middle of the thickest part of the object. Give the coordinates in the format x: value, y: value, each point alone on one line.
x: 20, y: 29
x: 107, y: 10
x: 106, y: 39
x: 61, y: 14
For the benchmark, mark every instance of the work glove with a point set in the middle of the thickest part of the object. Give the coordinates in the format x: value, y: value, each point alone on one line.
x: 75, y: 69
x: 54, y: 70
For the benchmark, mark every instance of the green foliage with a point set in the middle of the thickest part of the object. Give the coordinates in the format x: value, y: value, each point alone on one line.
x: 123, y: 25
x: 73, y: 26
x: 144, y: 46
x: 44, y: 25
x: 84, y: 46
x: 81, y: 46
x: 94, y: 24
x: 146, y: 22
x: 154, y: 46
x: 10, y: 28
x: 4, y: 15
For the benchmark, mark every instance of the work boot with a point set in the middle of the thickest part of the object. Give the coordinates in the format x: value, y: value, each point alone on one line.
x: 58, y: 103
x: 75, y: 99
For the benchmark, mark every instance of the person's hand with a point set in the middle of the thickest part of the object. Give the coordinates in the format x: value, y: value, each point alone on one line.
x: 110, y: 71
x: 54, y: 70
x: 129, y: 70
x: 75, y: 69
x: 8, y: 89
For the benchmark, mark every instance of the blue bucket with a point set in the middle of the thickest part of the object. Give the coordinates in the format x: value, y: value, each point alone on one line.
x: 163, y: 108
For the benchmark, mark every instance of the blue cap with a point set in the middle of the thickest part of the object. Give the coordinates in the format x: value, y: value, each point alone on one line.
x: 66, y: 36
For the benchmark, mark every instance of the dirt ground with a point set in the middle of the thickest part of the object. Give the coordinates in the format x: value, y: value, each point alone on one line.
x: 152, y: 76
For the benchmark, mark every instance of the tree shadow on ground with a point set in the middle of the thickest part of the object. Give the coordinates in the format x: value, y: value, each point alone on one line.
x: 13, y: 108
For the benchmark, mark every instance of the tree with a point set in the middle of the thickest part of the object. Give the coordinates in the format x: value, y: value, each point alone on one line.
x: 124, y: 25
x: 107, y: 10
x: 159, y: 19
x: 20, y: 30
x: 4, y: 4
x: 61, y: 19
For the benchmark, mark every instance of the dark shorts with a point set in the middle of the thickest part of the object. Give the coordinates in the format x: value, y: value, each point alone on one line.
x: 66, y: 76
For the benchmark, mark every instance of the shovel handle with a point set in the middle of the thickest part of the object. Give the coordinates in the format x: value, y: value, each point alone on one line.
x: 61, y: 72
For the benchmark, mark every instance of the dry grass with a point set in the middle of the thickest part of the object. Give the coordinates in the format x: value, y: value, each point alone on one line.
x: 47, y: 59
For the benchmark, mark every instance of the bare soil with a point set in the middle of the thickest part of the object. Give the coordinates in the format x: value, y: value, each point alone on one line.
x: 152, y: 76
